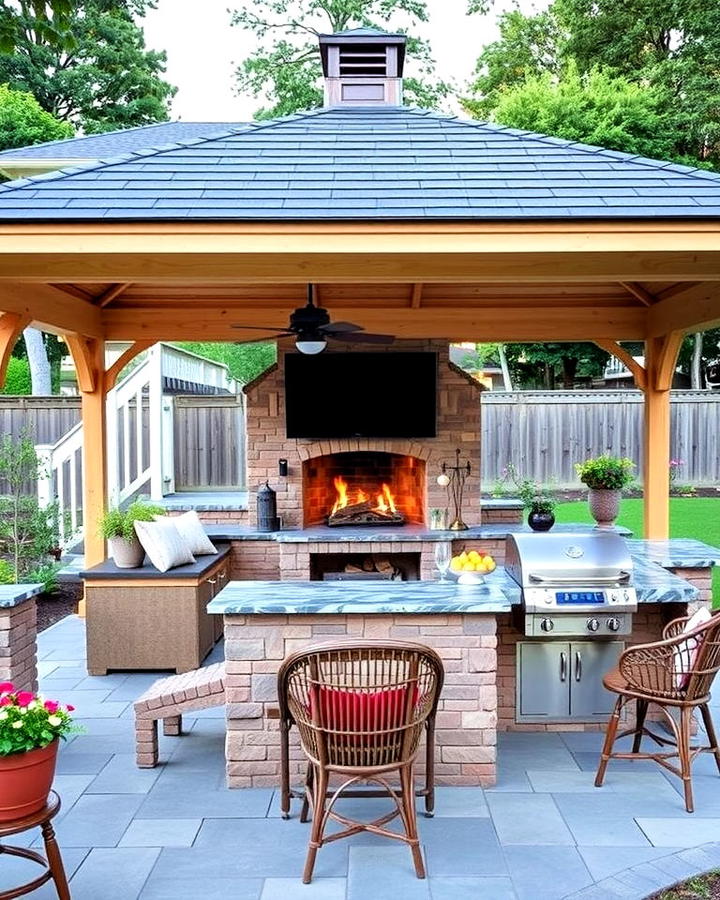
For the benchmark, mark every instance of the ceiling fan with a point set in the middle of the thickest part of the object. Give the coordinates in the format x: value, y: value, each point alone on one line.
x: 311, y: 326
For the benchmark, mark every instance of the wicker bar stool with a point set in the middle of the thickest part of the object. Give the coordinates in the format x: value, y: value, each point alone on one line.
x: 673, y: 673
x: 360, y: 708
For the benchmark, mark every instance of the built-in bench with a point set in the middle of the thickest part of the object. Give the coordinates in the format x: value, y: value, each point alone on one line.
x: 167, y: 699
x: 146, y: 619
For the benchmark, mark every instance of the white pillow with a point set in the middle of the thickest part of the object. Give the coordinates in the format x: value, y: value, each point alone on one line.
x: 164, y: 544
x: 686, y: 652
x: 191, y: 529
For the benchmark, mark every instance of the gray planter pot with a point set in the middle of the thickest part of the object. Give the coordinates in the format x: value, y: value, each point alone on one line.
x: 604, y: 506
x: 126, y: 554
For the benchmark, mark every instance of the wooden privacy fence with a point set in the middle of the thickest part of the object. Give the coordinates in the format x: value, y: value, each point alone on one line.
x: 209, y: 438
x: 544, y: 433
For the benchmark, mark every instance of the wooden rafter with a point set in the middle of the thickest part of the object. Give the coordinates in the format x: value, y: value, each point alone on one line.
x: 696, y: 309
x: 639, y: 292
x: 50, y: 309
x: 12, y: 326
x: 638, y: 372
x: 112, y: 293
x: 416, y: 298
x: 111, y: 375
x: 676, y: 290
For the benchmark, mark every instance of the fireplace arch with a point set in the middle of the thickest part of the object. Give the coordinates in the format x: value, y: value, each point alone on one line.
x: 390, y: 487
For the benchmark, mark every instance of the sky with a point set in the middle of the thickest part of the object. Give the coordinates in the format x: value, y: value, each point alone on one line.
x: 203, y: 51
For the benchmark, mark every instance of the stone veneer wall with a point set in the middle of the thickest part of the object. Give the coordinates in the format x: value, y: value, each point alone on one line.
x: 466, y: 720
x: 18, y: 645
x: 458, y: 426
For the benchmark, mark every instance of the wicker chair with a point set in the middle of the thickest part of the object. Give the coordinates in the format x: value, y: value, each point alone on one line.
x: 360, y: 708
x: 675, y: 672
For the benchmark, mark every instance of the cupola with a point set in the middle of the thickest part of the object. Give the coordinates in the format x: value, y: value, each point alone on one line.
x: 363, y: 67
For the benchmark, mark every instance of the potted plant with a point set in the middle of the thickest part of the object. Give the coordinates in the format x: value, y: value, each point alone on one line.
x: 605, y: 477
x: 541, y: 516
x: 30, y: 731
x: 117, y: 526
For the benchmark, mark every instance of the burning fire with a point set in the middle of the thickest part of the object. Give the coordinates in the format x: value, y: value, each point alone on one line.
x: 385, y: 502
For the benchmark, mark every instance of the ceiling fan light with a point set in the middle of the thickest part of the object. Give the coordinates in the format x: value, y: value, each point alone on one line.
x: 311, y: 346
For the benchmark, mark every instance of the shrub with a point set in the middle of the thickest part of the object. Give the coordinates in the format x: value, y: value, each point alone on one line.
x: 17, y: 380
x: 606, y: 472
x: 119, y: 522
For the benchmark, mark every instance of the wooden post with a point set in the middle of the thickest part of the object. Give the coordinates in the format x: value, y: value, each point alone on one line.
x: 660, y: 360
x: 94, y: 451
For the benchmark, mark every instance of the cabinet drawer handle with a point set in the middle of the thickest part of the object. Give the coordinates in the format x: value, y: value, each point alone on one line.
x: 563, y: 666
x: 578, y: 666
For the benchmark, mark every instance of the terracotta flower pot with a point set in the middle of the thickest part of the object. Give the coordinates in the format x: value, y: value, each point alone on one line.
x: 25, y: 781
x: 604, y: 506
x: 126, y: 554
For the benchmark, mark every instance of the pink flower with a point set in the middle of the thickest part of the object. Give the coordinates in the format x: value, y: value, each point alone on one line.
x: 51, y: 706
x: 7, y: 687
x: 5, y: 701
x: 70, y: 708
x: 24, y: 698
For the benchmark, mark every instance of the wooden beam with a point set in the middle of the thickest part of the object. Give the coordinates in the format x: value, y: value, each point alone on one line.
x: 696, y: 309
x: 107, y: 297
x: 639, y: 292
x: 111, y: 375
x: 50, y: 309
x: 638, y: 372
x: 675, y: 290
x: 416, y: 298
x: 12, y: 326
x: 83, y: 354
x: 499, y: 323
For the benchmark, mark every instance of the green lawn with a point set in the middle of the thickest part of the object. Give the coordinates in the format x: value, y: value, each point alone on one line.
x: 691, y: 517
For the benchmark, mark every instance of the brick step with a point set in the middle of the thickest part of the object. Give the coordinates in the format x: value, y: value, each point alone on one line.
x: 167, y: 699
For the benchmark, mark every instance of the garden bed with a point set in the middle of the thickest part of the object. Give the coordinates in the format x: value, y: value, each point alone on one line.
x: 59, y: 604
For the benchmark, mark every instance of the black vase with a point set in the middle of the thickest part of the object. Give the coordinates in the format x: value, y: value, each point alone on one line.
x: 541, y: 521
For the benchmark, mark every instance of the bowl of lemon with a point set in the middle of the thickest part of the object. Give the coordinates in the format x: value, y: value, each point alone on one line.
x: 471, y: 567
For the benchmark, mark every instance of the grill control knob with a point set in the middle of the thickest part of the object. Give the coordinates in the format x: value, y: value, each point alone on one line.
x: 547, y: 625
x: 613, y: 623
x: 593, y: 624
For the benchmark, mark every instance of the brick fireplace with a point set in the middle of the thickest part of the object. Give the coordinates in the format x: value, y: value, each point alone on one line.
x: 411, y: 466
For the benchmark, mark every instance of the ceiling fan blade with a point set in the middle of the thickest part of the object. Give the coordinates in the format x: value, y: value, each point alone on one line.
x: 260, y: 340
x: 259, y: 327
x: 345, y: 327
x: 361, y: 337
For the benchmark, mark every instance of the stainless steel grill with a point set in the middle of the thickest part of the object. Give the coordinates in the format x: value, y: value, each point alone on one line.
x: 573, y: 584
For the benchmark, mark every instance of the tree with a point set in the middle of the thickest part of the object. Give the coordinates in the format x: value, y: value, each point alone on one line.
x: 106, y: 80
x: 596, y: 108
x: 671, y: 46
x: 23, y: 121
x: 535, y: 364
x: 52, y: 16
x: 244, y: 361
x: 285, y: 70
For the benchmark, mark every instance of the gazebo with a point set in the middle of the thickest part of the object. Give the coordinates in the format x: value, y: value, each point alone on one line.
x: 406, y: 221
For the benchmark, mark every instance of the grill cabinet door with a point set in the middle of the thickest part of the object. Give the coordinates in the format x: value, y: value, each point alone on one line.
x: 589, y: 661
x: 543, y: 676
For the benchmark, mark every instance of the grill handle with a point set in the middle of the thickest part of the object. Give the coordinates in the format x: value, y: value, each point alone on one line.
x: 563, y: 666
x: 578, y: 666
x: 607, y: 579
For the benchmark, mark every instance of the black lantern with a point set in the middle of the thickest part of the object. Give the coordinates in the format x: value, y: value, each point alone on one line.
x: 267, y: 517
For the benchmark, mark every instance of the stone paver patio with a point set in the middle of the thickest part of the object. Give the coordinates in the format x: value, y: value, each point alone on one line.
x: 176, y: 833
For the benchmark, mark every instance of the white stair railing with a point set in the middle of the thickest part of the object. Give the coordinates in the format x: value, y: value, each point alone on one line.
x: 60, y: 480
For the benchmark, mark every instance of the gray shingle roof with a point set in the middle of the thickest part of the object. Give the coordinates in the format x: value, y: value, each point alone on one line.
x: 368, y: 164
x: 113, y: 143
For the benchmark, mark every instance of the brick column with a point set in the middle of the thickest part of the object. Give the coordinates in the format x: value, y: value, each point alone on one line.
x: 467, y: 713
x: 18, y: 644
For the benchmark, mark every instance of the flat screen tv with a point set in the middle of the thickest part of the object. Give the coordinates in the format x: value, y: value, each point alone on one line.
x: 377, y: 395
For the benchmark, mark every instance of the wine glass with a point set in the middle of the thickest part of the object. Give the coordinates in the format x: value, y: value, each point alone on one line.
x: 443, y: 555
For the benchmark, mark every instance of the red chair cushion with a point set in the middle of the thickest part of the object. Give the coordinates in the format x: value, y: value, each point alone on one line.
x: 357, y: 711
